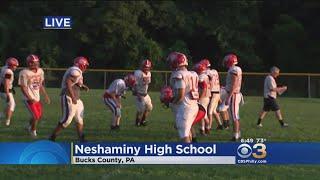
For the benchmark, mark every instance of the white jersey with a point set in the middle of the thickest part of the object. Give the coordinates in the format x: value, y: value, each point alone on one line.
x: 187, y: 80
x: 204, y: 78
x: 33, y: 81
x: 214, y: 82
x: 143, y: 81
x: 6, y: 73
x: 234, y: 70
x: 118, y: 87
x: 270, y: 83
x: 75, y: 74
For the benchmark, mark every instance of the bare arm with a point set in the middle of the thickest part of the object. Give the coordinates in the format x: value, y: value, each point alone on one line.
x: 179, y: 96
x: 44, y: 92
x: 232, y: 90
x: 24, y: 90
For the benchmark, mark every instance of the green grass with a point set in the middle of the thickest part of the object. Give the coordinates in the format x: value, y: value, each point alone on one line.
x: 301, y: 114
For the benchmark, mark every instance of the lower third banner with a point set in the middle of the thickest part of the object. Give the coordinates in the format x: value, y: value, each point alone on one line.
x: 47, y: 152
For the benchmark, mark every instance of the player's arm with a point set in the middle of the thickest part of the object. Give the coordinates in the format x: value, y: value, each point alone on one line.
x: 23, y: 83
x: 69, y: 83
x: 6, y: 84
x: 232, y: 89
x: 180, y: 89
x: 179, y: 97
x: 44, y: 92
x: 84, y: 87
x: 203, y: 86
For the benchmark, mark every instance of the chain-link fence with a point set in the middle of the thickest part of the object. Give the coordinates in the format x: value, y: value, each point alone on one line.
x: 299, y: 84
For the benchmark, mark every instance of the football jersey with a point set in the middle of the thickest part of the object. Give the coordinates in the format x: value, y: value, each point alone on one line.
x: 269, y: 83
x: 204, y: 78
x: 234, y: 70
x: 33, y: 81
x: 5, y: 71
x: 187, y: 80
x: 118, y: 87
x: 75, y: 74
x: 214, y: 82
x: 143, y: 81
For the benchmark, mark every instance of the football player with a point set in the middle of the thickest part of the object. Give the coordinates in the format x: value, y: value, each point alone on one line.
x: 204, y: 95
x: 215, y: 94
x: 185, y: 96
x: 72, y: 105
x: 270, y: 95
x: 140, y: 90
x: 6, y: 87
x: 112, y: 97
x: 31, y: 81
x: 234, y: 96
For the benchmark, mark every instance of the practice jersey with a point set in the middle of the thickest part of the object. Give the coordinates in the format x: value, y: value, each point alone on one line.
x: 33, y: 81
x: 269, y: 83
x: 204, y: 79
x: 143, y: 81
x: 6, y: 73
x: 214, y: 82
x: 118, y: 87
x: 75, y: 74
x: 234, y: 70
x: 187, y: 80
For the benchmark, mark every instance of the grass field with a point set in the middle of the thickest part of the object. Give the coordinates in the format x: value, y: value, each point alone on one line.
x: 301, y: 114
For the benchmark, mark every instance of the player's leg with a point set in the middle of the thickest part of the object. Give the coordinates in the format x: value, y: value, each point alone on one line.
x: 234, y: 112
x: 34, y: 115
x: 267, y: 106
x: 116, y: 112
x: 280, y: 119
x: 276, y: 108
x: 68, y: 112
x: 140, y: 109
x: 10, y: 106
x: 148, y: 108
x: 225, y: 119
x: 214, y: 113
x: 79, y: 120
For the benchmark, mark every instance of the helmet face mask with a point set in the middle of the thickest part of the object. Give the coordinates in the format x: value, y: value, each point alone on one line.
x: 33, y: 62
x: 206, y: 62
x: 82, y: 63
x: 199, y: 68
x: 146, y: 65
x: 12, y: 63
x: 130, y: 80
x: 230, y: 60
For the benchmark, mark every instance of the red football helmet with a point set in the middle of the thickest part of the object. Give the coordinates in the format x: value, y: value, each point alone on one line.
x: 171, y: 58
x: 166, y: 95
x: 199, y: 68
x: 130, y: 80
x: 206, y: 62
x: 177, y: 59
x: 146, y: 64
x: 181, y: 60
x: 33, y: 61
x: 81, y: 62
x: 12, y: 62
x: 230, y: 60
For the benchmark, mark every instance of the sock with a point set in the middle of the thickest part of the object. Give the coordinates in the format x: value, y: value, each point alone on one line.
x: 259, y: 121
x: 281, y: 122
x: 226, y: 123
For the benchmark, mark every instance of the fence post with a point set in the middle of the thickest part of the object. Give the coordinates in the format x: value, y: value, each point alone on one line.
x: 104, y: 80
x: 166, y: 76
x: 309, y: 86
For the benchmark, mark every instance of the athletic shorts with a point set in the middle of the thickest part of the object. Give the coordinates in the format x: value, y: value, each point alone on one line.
x: 11, y: 103
x: 35, y: 109
x: 270, y: 104
x: 71, y: 111
x: 144, y: 103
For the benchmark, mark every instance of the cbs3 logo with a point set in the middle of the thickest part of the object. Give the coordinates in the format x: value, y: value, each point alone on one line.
x: 258, y: 151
